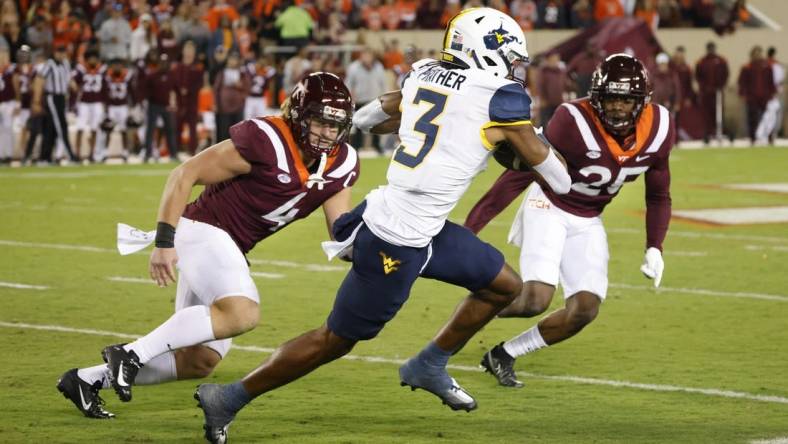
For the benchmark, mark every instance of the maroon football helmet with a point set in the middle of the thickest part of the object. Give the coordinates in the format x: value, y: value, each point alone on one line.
x: 322, y: 96
x: 620, y: 75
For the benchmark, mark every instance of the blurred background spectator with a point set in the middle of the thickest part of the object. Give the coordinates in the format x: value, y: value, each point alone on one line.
x: 115, y: 35
x: 665, y: 84
x: 551, y: 86
x: 366, y: 80
x: 711, y: 72
x: 756, y: 86
x: 230, y: 89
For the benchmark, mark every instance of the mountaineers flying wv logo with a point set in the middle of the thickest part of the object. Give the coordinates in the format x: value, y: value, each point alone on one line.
x: 497, y: 38
x: 389, y: 264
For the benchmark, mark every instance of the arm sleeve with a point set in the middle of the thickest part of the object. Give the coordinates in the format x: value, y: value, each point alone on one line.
x: 251, y: 141
x: 658, y: 203
x: 510, y: 104
x: 508, y: 186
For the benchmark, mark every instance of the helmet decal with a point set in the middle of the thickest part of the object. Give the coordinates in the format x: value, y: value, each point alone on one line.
x: 320, y: 96
x: 499, y: 37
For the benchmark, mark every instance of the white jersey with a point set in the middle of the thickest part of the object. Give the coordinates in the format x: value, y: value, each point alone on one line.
x: 443, y: 147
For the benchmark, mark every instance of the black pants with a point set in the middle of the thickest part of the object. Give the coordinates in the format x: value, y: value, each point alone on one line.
x: 55, y: 127
x: 154, y: 111
x: 754, y: 115
x: 35, y: 127
x: 223, y: 123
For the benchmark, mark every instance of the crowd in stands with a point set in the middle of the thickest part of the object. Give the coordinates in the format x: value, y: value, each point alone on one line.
x: 691, y: 93
x: 170, y: 76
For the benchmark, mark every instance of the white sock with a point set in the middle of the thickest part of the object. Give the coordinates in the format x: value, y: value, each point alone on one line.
x: 527, y: 342
x: 95, y: 373
x: 158, y: 370
x: 190, y: 326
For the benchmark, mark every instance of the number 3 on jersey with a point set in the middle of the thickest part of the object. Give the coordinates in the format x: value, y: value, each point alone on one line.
x: 425, y: 126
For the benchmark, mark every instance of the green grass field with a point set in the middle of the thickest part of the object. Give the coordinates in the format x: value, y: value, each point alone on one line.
x: 704, y: 359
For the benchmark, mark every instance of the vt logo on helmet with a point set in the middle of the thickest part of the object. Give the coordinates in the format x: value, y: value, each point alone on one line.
x: 486, y: 39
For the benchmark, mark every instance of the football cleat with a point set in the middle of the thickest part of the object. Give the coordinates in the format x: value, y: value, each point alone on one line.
x: 123, y: 368
x: 414, y: 375
x: 84, y: 396
x: 217, y: 418
x: 498, y: 363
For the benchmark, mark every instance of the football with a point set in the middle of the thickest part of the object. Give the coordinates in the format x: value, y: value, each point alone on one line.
x: 505, y: 155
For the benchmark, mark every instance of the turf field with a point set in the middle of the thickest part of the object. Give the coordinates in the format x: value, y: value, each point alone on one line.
x: 705, y: 359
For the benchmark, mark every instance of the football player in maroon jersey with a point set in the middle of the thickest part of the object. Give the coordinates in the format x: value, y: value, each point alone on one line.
x: 608, y: 139
x: 271, y: 172
x: 89, y: 78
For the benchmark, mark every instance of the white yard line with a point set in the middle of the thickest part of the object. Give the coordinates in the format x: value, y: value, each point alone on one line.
x: 70, y: 247
x: 290, y: 264
x: 262, y: 274
x: 781, y: 440
x: 131, y: 280
x: 138, y: 280
x: 703, y: 292
x: 278, y: 263
x: 678, y: 233
x: 780, y: 248
x: 327, y: 268
x: 383, y: 360
x: 23, y: 286
x: 81, y: 174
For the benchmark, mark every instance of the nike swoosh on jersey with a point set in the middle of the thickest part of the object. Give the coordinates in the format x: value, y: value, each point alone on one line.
x: 85, y: 406
x: 121, y: 381
x: 641, y: 158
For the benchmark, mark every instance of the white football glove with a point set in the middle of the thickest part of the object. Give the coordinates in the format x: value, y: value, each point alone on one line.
x: 653, y: 265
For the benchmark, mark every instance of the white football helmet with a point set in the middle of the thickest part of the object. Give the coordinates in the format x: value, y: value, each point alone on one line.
x: 486, y: 39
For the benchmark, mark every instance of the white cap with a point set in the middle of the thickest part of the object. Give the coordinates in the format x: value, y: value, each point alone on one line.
x: 663, y: 58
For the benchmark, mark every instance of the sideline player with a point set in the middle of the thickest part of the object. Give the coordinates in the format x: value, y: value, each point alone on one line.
x: 89, y: 78
x: 119, y: 87
x: 271, y: 171
x: 453, y: 113
x: 608, y: 139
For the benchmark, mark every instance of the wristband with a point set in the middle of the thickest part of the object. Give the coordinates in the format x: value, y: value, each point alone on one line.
x: 369, y: 116
x: 165, y: 235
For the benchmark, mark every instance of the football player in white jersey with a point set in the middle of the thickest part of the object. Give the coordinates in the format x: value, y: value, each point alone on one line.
x: 453, y: 112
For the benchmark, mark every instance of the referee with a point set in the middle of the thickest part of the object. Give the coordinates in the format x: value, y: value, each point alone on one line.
x: 51, y: 84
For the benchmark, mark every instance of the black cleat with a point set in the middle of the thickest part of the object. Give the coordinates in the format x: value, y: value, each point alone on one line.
x: 498, y: 363
x: 123, y: 368
x: 84, y: 396
x: 217, y: 419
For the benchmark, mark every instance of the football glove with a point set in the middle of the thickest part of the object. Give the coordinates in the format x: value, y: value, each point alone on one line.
x: 653, y: 265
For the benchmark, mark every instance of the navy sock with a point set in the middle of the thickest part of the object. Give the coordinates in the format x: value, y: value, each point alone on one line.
x: 235, y: 396
x: 434, y: 356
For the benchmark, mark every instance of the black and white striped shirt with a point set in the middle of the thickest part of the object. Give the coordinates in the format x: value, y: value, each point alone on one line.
x: 56, y: 76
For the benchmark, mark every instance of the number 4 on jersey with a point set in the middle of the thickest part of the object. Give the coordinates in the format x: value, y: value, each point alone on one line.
x: 285, y: 213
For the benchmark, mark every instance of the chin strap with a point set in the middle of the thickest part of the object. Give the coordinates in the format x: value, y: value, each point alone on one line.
x: 317, y: 177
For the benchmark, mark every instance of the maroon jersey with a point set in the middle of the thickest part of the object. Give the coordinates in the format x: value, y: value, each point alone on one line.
x: 7, y: 92
x: 118, y: 87
x: 26, y: 74
x: 188, y: 79
x: 597, y: 164
x: 254, y: 206
x: 260, y: 78
x: 91, y: 83
x: 598, y: 167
